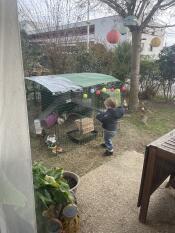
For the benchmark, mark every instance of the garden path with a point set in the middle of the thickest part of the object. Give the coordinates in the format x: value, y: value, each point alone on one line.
x: 107, y: 198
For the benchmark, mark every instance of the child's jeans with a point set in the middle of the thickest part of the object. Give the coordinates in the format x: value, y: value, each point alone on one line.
x: 108, y: 135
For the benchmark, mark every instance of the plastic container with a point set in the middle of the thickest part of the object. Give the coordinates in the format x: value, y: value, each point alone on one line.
x: 49, y: 121
x: 38, y: 128
x: 77, y: 137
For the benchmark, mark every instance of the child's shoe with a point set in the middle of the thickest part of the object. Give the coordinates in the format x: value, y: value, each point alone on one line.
x: 103, y: 145
x: 108, y: 153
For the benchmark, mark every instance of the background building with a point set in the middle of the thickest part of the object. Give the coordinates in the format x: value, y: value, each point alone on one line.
x: 98, y: 30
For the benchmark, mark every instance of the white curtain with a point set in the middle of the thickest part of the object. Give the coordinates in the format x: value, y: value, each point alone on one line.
x: 17, y: 213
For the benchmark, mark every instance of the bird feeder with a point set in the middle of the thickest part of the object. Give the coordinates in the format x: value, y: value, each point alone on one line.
x: 113, y: 37
x: 123, y: 30
x: 131, y: 20
x: 156, y: 42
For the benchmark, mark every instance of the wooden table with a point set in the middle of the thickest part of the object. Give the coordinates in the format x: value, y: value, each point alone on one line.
x: 159, y: 163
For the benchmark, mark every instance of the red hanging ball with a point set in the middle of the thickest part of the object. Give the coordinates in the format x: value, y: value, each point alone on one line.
x: 113, y: 37
x: 98, y: 92
x: 123, y: 88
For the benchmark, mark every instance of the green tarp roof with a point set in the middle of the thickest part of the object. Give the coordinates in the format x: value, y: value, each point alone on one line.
x: 89, y: 79
x: 72, y: 82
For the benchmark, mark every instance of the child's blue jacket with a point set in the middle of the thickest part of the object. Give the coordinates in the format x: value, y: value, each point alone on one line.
x: 110, y: 117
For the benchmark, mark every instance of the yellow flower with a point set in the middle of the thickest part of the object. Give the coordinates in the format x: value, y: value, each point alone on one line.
x: 51, y: 181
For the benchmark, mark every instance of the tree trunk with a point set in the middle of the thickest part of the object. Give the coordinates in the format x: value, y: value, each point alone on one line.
x: 135, y: 71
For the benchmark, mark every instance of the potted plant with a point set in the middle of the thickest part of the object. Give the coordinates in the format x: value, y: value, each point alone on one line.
x: 52, y: 193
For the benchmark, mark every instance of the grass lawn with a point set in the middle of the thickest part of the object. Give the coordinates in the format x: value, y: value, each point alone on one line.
x: 133, y: 135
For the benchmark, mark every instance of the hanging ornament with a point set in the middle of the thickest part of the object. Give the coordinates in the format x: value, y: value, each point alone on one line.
x: 117, y: 91
x: 113, y: 37
x: 123, y: 88
x: 104, y: 90
x: 125, y: 104
x: 85, y: 96
x: 118, y: 96
x: 156, y: 42
x: 98, y: 92
x: 92, y: 90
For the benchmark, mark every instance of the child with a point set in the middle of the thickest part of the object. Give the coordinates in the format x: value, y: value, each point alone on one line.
x: 109, y: 123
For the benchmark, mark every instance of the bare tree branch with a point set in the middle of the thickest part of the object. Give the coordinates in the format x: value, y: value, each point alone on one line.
x: 142, y: 8
x: 167, y: 4
x: 151, y: 14
x: 133, y: 6
x: 138, y: 7
x: 49, y: 30
x: 163, y: 26
x: 129, y: 6
x: 145, y: 11
x: 165, y: 8
x: 115, y: 6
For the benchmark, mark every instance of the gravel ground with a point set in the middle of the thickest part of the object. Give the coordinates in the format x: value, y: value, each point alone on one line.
x: 107, y: 199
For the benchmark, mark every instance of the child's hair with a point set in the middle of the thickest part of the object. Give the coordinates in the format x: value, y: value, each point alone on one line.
x: 109, y: 102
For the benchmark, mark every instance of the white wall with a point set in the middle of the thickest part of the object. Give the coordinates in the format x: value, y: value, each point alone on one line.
x: 105, y: 25
x: 17, y: 210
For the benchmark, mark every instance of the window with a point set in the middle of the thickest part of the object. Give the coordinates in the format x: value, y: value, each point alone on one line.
x: 76, y: 31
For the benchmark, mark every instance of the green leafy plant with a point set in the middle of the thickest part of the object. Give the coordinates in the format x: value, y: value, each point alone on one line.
x: 52, y: 194
x: 167, y: 69
x: 50, y: 186
x: 149, y: 79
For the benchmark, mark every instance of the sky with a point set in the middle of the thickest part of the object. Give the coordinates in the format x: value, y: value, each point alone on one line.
x: 168, y: 18
x: 97, y: 13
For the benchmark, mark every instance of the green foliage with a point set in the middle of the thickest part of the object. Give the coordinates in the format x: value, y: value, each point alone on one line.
x: 50, y: 186
x: 167, y: 62
x: 167, y: 68
x: 121, y: 62
x: 97, y: 60
x: 149, y: 79
x: 59, y: 59
x: 158, y: 76
x: 102, y: 60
